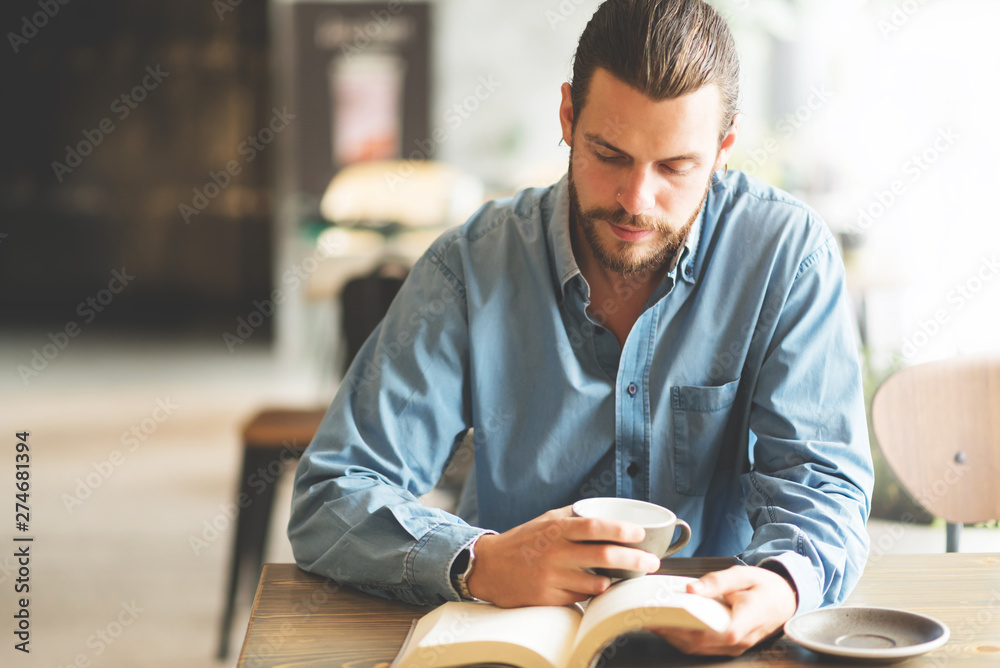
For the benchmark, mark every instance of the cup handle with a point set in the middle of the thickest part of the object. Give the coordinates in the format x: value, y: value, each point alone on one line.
x: 678, y: 544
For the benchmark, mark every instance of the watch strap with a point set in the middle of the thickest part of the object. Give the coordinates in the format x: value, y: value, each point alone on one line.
x: 460, y: 577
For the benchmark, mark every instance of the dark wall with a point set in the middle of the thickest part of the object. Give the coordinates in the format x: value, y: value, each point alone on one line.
x: 113, y: 112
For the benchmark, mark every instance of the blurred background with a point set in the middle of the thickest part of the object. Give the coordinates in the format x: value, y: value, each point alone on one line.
x: 187, y: 190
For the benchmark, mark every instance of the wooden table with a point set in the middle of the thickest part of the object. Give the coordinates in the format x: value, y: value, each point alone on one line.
x: 304, y: 621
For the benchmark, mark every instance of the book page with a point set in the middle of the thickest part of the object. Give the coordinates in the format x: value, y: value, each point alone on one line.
x: 462, y: 633
x: 634, y: 593
x: 644, y: 602
x: 652, y: 592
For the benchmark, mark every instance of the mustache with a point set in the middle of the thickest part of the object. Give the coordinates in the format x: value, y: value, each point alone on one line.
x: 623, y: 218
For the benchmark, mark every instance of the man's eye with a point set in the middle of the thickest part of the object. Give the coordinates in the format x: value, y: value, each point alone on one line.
x: 607, y: 158
x: 677, y: 171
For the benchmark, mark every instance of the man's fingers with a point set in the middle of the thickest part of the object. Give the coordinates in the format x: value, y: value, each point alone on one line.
x: 607, y: 555
x: 590, y: 529
x: 723, y: 583
x: 757, y: 610
x: 565, y: 511
x: 581, y: 583
x: 709, y: 643
x: 597, y: 544
x: 734, y: 585
x: 705, y: 643
x: 547, y: 597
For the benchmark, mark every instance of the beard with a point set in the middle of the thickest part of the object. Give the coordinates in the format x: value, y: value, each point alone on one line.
x: 622, y: 257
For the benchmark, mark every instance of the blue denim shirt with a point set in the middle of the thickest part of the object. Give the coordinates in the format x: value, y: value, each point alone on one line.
x: 736, y: 400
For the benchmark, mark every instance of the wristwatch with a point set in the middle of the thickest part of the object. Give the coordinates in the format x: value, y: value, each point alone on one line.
x: 461, y: 570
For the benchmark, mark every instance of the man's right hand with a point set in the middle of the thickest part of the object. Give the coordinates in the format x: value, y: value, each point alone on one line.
x: 543, y: 562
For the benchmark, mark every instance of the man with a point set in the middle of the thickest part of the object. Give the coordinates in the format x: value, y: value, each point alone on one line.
x: 653, y: 327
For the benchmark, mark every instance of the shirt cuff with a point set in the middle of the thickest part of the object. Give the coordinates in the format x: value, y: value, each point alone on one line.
x: 802, y: 573
x: 431, y: 559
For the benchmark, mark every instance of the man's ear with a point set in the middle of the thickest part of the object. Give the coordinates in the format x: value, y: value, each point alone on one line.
x: 566, y: 114
x: 728, y: 143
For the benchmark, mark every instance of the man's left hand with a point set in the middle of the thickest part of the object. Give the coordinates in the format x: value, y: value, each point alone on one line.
x: 761, y: 602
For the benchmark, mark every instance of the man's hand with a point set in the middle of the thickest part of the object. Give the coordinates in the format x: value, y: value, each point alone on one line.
x: 543, y: 562
x: 761, y: 601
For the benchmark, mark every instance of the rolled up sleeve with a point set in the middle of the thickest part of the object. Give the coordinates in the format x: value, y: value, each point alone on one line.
x: 389, y: 433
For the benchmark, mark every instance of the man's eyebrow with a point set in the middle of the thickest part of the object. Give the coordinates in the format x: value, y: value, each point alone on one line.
x: 597, y: 139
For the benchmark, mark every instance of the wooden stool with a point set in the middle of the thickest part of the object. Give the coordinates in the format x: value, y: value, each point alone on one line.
x: 272, y: 440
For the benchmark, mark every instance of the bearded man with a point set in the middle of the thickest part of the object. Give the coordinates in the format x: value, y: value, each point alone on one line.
x: 654, y: 326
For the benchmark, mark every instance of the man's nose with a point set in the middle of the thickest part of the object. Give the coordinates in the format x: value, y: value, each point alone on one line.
x: 637, y: 193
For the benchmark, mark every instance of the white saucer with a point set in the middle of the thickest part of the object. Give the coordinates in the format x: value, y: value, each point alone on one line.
x: 878, y: 634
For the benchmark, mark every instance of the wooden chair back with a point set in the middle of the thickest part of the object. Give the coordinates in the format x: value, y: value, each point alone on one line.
x: 938, y: 425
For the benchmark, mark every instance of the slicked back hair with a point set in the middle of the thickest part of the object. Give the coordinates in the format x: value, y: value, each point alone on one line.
x: 662, y: 48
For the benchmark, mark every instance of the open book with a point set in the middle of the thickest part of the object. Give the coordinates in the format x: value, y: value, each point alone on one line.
x: 460, y: 634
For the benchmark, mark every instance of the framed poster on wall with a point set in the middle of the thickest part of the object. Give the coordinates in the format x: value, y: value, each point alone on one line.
x: 361, y: 79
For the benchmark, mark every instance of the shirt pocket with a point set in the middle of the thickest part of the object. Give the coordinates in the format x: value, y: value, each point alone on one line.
x: 700, y: 416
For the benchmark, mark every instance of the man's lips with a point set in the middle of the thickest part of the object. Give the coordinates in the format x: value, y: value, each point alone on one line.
x: 627, y: 234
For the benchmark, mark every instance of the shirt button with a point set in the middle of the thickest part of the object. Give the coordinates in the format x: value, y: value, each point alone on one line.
x: 632, y: 470
x: 632, y: 389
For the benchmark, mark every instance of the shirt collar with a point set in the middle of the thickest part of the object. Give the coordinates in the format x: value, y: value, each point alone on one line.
x: 561, y: 247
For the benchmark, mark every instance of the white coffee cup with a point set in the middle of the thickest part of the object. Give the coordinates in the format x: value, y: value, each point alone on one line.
x: 658, y: 522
